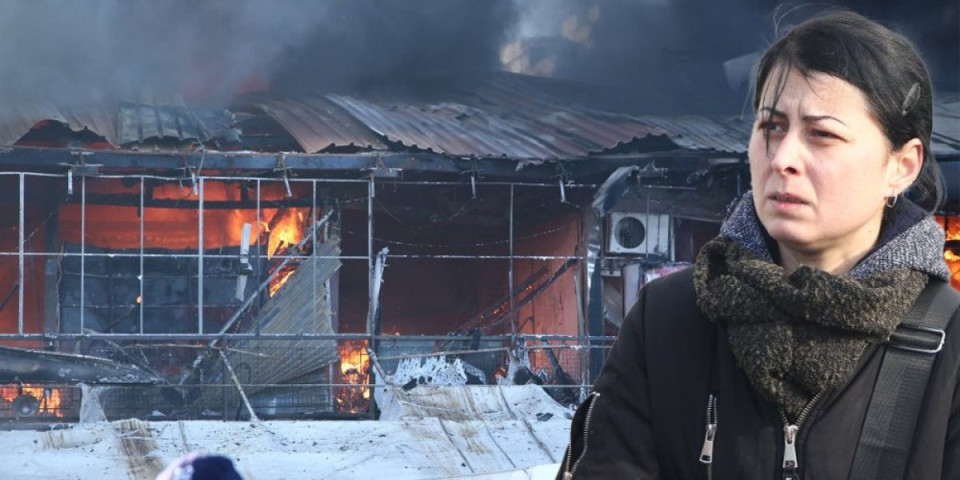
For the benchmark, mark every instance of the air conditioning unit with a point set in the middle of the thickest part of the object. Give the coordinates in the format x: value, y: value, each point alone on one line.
x: 640, y: 234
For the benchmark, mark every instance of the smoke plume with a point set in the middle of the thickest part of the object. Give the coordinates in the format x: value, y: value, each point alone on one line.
x: 655, y: 56
x: 371, y: 42
x: 78, y: 53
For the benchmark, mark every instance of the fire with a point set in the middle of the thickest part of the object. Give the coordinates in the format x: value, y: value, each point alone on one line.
x: 166, y: 225
x: 354, y: 369
x: 285, y: 231
x: 49, y: 399
x: 952, y: 227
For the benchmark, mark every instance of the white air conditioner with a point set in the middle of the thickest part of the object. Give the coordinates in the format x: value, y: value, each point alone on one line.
x: 640, y: 234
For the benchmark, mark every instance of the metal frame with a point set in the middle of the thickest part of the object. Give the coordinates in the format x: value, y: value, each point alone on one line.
x: 199, y: 182
x: 227, y: 161
x: 387, y: 164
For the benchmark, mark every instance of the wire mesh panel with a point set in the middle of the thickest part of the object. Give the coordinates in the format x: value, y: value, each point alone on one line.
x: 561, y: 365
x: 234, y: 383
x: 227, y: 298
x: 194, y: 380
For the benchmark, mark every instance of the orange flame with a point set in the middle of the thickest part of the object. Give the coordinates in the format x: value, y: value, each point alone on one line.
x: 354, y: 368
x: 50, y: 398
x: 952, y: 226
x: 112, y: 226
x: 285, y: 230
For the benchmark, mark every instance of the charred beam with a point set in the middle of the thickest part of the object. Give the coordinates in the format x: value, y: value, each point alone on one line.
x: 6, y: 299
x: 341, y: 165
x: 128, y: 200
x: 51, y: 271
x: 36, y: 366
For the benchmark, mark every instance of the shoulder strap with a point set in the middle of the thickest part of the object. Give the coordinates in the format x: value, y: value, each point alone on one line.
x: 887, y: 433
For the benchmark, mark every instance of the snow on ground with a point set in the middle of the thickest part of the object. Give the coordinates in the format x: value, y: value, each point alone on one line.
x: 476, y: 432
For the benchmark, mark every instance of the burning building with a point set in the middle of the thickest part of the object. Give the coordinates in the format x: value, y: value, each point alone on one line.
x: 325, y: 226
x: 267, y: 254
x: 278, y: 249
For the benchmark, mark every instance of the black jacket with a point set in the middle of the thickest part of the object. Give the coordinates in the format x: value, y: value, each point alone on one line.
x: 648, y: 413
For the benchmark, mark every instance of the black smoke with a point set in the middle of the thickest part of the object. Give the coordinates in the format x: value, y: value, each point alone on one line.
x: 667, y: 56
x: 90, y: 52
x: 654, y: 56
x: 93, y: 51
x: 367, y: 43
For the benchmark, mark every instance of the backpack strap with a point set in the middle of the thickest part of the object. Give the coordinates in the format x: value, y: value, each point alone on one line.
x: 887, y: 434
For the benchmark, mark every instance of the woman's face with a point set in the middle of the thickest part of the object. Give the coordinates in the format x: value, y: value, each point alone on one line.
x: 820, y: 184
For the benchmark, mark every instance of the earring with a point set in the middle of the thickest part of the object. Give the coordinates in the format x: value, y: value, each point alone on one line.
x: 891, y: 201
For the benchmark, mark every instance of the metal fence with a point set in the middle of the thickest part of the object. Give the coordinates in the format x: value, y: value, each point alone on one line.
x: 192, y: 281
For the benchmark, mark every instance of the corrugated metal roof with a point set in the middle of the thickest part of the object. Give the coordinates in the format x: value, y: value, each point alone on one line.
x: 158, y: 118
x: 450, y: 128
x: 17, y: 120
x: 693, y: 132
x: 317, y: 123
x: 120, y: 124
x: 505, y: 116
x: 544, y: 104
x: 500, y: 115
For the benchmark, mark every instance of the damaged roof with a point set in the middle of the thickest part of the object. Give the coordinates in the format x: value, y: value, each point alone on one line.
x: 502, y: 115
x: 493, y: 116
x: 17, y: 120
x: 123, y: 123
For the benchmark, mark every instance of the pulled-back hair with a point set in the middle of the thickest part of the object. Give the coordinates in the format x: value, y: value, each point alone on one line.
x: 883, y: 64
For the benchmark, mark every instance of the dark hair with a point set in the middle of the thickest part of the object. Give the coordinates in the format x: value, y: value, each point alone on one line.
x: 883, y: 64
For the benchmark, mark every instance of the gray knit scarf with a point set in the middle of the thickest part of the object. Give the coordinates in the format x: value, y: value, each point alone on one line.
x: 799, y: 334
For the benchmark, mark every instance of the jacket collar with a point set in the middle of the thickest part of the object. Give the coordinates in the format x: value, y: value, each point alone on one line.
x: 909, y: 238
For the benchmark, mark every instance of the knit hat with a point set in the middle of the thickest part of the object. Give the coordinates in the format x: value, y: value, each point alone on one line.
x: 197, y: 466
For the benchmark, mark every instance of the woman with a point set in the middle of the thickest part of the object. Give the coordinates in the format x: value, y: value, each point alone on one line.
x: 772, y: 343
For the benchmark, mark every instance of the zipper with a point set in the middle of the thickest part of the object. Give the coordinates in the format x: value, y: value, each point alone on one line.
x: 706, y: 453
x: 790, y: 432
x: 568, y: 471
